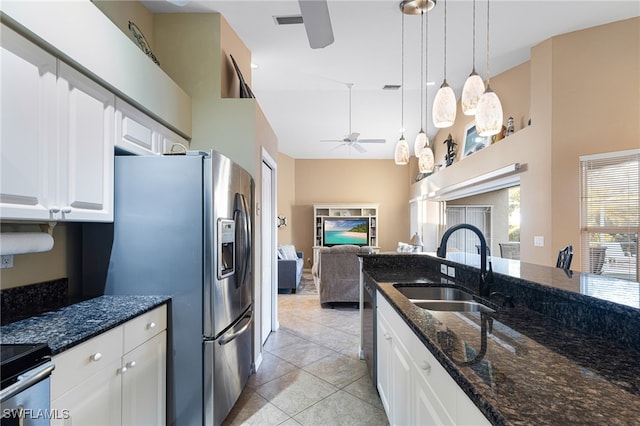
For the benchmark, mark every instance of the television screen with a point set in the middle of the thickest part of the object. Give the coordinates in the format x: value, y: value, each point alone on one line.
x: 346, y: 231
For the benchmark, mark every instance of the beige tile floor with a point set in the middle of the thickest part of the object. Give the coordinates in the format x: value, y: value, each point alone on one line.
x: 311, y: 373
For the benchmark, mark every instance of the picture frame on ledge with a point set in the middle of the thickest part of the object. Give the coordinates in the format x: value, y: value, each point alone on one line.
x: 472, y: 141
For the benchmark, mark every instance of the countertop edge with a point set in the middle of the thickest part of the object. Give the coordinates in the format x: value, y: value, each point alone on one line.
x: 23, y: 331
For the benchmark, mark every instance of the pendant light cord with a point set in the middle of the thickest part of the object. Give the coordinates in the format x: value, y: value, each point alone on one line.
x: 474, y: 37
x: 426, y: 73
x: 422, y: 83
x: 402, y: 79
x: 445, y: 40
x: 488, y: 74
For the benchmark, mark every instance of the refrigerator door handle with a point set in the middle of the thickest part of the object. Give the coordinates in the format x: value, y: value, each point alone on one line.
x: 242, y: 214
x: 232, y: 334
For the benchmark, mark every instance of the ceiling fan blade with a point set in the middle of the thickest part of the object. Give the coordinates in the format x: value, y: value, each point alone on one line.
x: 359, y: 148
x: 317, y: 23
x: 332, y: 140
x: 338, y: 146
x: 372, y: 141
x: 353, y: 136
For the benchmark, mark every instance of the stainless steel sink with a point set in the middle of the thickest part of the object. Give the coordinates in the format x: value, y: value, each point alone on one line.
x: 438, y: 298
x: 452, y: 305
x: 433, y: 293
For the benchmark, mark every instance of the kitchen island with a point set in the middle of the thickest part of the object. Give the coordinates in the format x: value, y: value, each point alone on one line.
x: 566, y: 353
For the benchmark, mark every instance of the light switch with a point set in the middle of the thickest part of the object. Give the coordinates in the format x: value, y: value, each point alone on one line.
x: 538, y: 241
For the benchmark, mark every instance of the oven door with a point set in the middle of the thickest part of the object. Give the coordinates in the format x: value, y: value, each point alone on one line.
x: 26, y: 402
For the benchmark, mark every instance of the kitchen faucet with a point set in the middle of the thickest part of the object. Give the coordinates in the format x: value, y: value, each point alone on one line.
x: 486, y: 276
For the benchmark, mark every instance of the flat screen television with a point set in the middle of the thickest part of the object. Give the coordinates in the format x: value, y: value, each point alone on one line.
x: 338, y: 231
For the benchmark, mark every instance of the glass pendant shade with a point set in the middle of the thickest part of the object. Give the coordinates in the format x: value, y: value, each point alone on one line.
x: 401, y: 154
x: 471, y: 92
x: 420, y: 143
x: 426, y: 161
x: 444, y: 107
x: 489, y: 114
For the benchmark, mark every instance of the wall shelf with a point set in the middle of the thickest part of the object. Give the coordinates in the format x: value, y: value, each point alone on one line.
x: 346, y: 210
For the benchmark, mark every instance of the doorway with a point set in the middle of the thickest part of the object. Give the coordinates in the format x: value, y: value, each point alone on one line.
x: 268, y: 295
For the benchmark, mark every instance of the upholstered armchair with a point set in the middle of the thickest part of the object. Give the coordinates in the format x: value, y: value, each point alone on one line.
x: 337, y: 273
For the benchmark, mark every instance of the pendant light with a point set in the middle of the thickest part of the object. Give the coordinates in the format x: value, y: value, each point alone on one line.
x: 489, y: 110
x: 474, y: 86
x: 401, y: 154
x: 444, y: 104
x: 421, y: 140
x: 426, y: 161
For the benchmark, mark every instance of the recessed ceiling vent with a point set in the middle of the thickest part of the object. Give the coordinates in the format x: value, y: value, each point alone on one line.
x: 391, y: 87
x: 288, y: 20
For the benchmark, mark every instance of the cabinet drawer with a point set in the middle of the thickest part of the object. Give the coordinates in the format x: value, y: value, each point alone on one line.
x: 144, y: 327
x: 79, y: 363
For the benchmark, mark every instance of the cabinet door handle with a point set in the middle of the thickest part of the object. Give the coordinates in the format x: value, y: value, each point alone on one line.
x: 122, y: 370
x: 54, y: 209
x: 131, y: 364
x: 66, y: 209
x: 387, y: 336
x: 425, y: 366
x: 96, y: 357
x: 151, y: 325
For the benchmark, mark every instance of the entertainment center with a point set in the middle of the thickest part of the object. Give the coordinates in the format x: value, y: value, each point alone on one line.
x: 337, y: 223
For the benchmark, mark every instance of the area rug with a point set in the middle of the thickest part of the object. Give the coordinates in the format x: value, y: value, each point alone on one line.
x: 307, y: 285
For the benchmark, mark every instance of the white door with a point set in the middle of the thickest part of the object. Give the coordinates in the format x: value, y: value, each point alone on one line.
x: 268, y: 248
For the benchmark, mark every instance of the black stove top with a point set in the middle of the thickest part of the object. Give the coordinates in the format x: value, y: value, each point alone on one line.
x: 18, y: 358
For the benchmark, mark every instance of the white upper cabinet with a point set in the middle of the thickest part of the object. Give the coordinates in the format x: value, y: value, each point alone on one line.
x: 28, y: 96
x: 85, y: 147
x: 57, y: 138
x: 138, y: 133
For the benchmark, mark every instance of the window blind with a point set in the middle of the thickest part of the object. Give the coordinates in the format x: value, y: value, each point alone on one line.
x: 464, y: 240
x: 610, y: 213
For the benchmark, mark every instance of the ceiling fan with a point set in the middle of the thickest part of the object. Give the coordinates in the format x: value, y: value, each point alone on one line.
x: 317, y: 22
x: 351, y: 140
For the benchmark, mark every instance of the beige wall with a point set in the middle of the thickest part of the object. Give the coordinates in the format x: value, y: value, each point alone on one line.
x: 596, y: 108
x: 286, y: 195
x: 582, y: 100
x: 63, y: 261
x: 351, y: 181
x: 193, y: 49
x: 122, y: 11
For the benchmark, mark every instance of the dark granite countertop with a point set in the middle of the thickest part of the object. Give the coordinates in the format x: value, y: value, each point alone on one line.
x: 534, y: 369
x: 64, y: 328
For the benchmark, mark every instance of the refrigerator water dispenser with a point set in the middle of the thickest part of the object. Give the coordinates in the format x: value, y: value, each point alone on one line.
x: 226, y: 247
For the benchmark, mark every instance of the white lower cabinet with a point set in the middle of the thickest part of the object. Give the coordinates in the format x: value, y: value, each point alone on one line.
x: 414, y: 388
x: 101, y: 382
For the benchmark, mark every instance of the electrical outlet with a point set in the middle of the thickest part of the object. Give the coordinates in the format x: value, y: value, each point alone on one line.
x: 7, y: 261
x: 451, y: 271
x: 443, y: 268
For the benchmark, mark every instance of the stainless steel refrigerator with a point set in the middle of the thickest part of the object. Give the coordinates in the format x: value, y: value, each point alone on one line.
x: 182, y: 227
